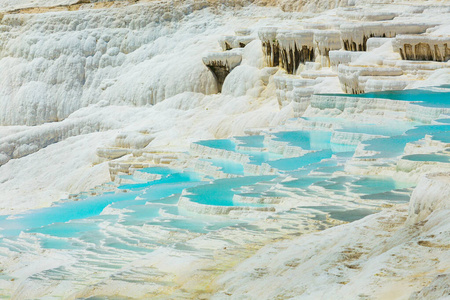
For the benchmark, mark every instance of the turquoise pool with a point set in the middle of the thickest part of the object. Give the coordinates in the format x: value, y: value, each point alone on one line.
x: 131, y: 218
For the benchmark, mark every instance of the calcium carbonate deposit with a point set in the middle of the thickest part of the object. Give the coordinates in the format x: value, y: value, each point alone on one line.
x: 219, y: 149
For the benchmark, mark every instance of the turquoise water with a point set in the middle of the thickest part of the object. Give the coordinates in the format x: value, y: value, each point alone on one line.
x: 158, y: 170
x: 343, y: 214
x: 442, y: 137
x: 218, y: 144
x: 339, y: 183
x: 168, y: 179
x: 426, y: 97
x: 221, y: 191
x: 307, y: 140
x: 428, y: 157
x: 294, y: 163
x: 228, y: 166
x: 302, y: 183
x: 391, y: 128
x: 257, y: 158
x: 60, y: 213
x: 389, y: 196
x: 52, y: 220
x: 394, y: 146
x: 444, y: 121
x: 377, y: 184
x: 69, y: 229
x: 255, y: 141
x: 116, y: 220
x: 339, y: 148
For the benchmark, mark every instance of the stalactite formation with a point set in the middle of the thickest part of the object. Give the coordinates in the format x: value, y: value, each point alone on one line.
x: 427, y: 48
x: 221, y: 64
x: 355, y: 36
x: 268, y: 37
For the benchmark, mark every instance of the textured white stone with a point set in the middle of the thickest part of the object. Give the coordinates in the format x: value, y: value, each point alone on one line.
x: 326, y: 41
x: 127, y: 84
x: 350, y: 77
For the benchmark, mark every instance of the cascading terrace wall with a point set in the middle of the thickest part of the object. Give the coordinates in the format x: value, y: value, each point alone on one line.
x: 52, y: 64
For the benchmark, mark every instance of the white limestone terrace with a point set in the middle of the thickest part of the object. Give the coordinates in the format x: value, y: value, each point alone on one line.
x: 359, y: 14
x: 339, y: 262
x: 351, y: 79
x: 241, y: 38
x: 384, y: 265
x: 8, y: 5
x: 326, y: 41
x: 96, y: 94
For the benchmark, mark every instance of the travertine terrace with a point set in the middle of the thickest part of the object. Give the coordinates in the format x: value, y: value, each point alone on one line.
x: 224, y: 149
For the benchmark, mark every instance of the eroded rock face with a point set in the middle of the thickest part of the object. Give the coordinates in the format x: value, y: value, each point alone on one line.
x: 296, y: 47
x: 427, y: 48
x: 287, y: 48
x: 268, y: 37
x: 355, y: 36
x: 221, y: 64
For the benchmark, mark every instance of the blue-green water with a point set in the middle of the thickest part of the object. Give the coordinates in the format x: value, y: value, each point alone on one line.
x: 228, y: 166
x: 294, y: 163
x: 115, y: 219
x: 394, y: 146
x: 221, y: 191
x: 255, y: 141
x: 225, y: 144
x: 307, y: 140
x: 60, y: 213
x: 377, y: 184
x: 426, y: 97
x: 428, y: 157
x: 391, y: 128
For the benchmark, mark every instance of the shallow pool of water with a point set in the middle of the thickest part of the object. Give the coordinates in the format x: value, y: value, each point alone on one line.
x: 221, y: 191
x: 428, y: 157
x: 228, y: 166
x: 427, y: 96
x: 377, y: 184
x: 224, y: 144
x: 307, y: 140
x: 254, y: 141
x: 294, y: 163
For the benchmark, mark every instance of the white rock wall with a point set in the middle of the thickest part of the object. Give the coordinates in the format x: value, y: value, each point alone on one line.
x: 55, y: 63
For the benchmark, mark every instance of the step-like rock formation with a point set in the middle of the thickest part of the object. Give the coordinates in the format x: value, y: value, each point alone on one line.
x: 364, y: 15
x: 285, y: 86
x: 342, y: 57
x: 376, y: 42
x: 352, y: 77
